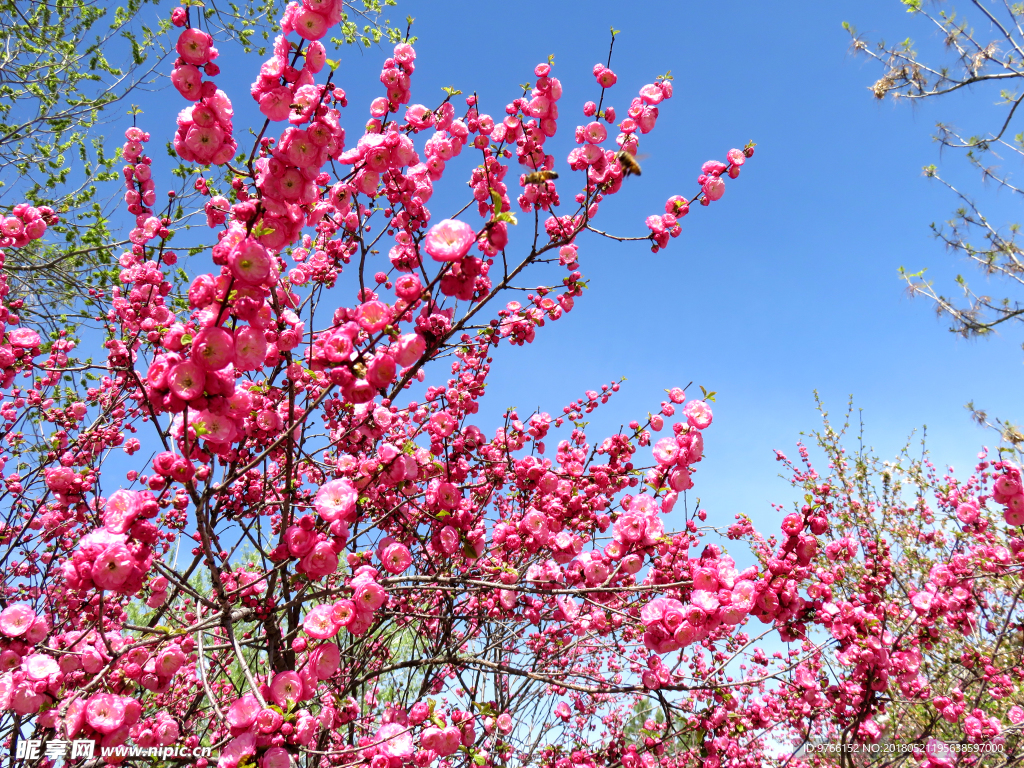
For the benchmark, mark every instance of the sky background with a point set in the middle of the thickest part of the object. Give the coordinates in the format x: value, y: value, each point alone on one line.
x: 788, y: 284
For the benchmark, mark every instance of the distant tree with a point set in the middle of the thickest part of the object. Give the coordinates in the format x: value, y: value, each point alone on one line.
x: 984, y: 50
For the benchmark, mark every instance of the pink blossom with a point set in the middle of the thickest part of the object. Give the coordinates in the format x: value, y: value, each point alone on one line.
x: 39, y: 666
x: 419, y: 116
x: 243, y: 712
x: 698, y: 414
x: 250, y: 349
x: 268, y: 721
x: 595, y: 133
x: 666, y: 451
x: 449, y: 240
x: 16, y: 619
x: 186, y: 380
x: 275, y: 104
x: 310, y: 24
x: 120, y: 511
x: 922, y: 601
x: 409, y: 349
x: 213, y: 349
x: 321, y: 561
x: 373, y: 316
x: 396, y: 558
x: 105, y: 712
x: 394, y: 741
x: 442, y: 424
x: 320, y: 623
x: 237, y: 750
x: 343, y: 612
x: 25, y: 338
x: 188, y: 80
x: 250, y: 262
x: 326, y: 660
x: 113, y: 566
x: 276, y: 757
x: 714, y: 188
x: 195, y: 47
x: 286, y: 688
x: 169, y: 661
x: 336, y: 500
x: 369, y: 596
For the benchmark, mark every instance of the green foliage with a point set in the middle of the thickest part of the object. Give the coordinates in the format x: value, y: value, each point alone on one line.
x: 66, y: 69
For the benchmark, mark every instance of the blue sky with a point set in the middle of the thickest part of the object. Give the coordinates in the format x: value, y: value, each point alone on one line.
x: 788, y: 284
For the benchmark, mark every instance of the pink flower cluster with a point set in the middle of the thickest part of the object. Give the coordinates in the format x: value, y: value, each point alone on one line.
x: 29, y: 679
x: 289, y: 172
x: 543, y: 107
x: 712, y: 188
x: 392, y: 746
x: 312, y: 19
x: 204, y: 132
x: 257, y: 722
x: 106, y: 718
x: 241, y: 385
x: 720, y: 595
x: 24, y: 224
x: 1008, y: 490
x: 317, y: 552
x: 355, y: 615
x: 117, y: 556
x: 604, y: 171
x: 675, y: 455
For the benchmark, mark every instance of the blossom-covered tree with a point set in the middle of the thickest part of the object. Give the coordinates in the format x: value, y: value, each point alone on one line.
x: 373, y: 578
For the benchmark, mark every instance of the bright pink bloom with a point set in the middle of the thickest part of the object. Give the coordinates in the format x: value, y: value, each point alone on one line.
x: 652, y: 94
x: 16, y: 619
x: 276, y: 757
x: 369, y: 596
x: 195, y: 47
x: 186, y: 380
x: 449, y: 240
x: 243, y: 712
x: 250, y: 262
x: 105, y: 712
x: 322, y: 561
x: 112, y: 567
x: 396, y: 558
x: 310, y: 24
x: 121, y: 509
x: 336, y: 500
x: 39, y: 666
x: 286, y: 688
x: 250, y: 348
x: 698, y: 414
x: 396, y: 741
x: 237, y: 750
x: 188, y: 80
x: 326, y: 660
x: 25, y: 338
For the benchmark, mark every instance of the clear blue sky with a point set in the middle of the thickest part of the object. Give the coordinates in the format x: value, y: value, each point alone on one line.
x: 788, y: 284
